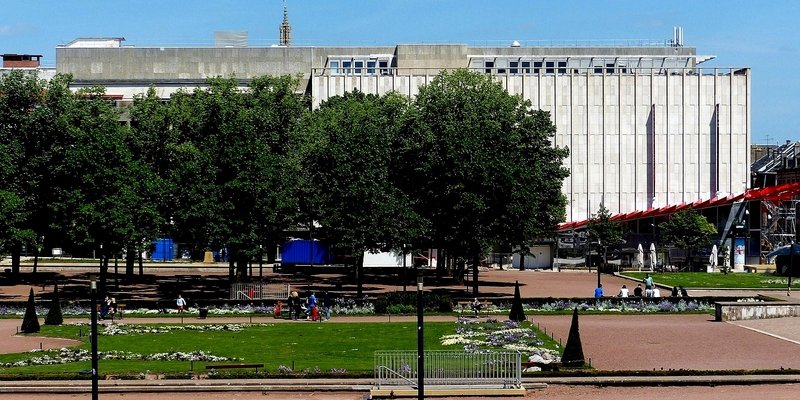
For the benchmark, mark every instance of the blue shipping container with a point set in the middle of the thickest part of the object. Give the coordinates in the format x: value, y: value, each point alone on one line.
x: 164, y: 250
x: 305, y: 252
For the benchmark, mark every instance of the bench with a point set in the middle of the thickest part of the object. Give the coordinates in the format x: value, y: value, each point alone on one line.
x: 233, y: 366
x: 117, y: 311
x: 467, y: 305
x: 553, y: 366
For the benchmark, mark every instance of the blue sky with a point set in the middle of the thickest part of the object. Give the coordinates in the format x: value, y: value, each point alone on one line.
x: 763, y: 35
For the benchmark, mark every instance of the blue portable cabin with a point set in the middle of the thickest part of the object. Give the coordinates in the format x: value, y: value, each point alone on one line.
x: 306, y: 252
x: 164, y: 250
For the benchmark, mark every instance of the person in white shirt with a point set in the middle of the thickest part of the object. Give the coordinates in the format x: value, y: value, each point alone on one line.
x: 181, y: 303
x: 623, y: 292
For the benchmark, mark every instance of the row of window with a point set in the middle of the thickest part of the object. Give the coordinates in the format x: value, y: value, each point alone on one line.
x: 359, y: 67
x: 536, y: 67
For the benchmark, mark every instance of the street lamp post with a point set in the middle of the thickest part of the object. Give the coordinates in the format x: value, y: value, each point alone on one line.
x: 420, y: 341
x: 600, y: 248
x: 94, y: 336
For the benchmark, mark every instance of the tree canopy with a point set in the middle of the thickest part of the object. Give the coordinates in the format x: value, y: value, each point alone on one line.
x: 687, y: 230
x: 484, y: 165
x: 462, y: 166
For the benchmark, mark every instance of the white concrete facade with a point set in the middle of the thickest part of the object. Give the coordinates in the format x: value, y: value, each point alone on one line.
x: 645, y: 126
x: 637, y: 141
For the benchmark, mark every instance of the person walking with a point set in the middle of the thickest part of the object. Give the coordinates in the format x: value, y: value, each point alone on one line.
x: 326, y: 303
x: 296, y: 305
x: 648, y: 286
x: 181, y: 304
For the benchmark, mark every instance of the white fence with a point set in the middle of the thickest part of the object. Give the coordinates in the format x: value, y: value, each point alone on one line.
x: 260, y: 291
x: 449, y: 368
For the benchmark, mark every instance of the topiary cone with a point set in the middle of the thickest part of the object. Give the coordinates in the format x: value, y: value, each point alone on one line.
x: 573, y: 353
x: 54, y: 315
x: 517, y: 313
x: 30, y: 323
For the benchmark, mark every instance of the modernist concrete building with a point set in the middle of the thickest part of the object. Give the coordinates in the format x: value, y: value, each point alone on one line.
x: 646, y: 125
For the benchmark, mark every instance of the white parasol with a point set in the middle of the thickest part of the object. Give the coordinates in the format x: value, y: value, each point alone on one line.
x: 653, y: 257
x: 640, y: 257
x: 713, y: 258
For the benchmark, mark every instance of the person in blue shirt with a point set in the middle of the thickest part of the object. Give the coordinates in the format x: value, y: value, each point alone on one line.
x: 312, y: 307
x: 598, y: 293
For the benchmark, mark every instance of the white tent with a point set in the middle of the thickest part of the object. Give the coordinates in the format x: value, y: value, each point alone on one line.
x: 653, y: 256
x: 640, y: 257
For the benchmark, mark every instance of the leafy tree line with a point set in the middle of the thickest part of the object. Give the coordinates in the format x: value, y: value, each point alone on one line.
x: 463, y: 167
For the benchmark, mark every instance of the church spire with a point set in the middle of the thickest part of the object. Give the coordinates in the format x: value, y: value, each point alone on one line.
x: 286, y: 29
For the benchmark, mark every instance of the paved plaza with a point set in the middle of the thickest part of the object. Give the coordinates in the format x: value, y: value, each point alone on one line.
x: 611, y: 342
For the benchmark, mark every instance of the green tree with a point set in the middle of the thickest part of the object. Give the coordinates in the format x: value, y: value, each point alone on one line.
x: 603, y: 234
x: 517, y: 312
x: 688, y: 230
x: 54, y: 315
x: 152, y: 144
x: 30, y: 322
x: 21, y: 108
x: 484, y: 169
x: 573, y: 351
x: 353, y: 149
x: 97, y: 182
x: 234, y: 178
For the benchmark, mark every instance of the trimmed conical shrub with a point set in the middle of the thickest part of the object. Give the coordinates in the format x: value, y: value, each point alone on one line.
x: 54, y: 315
x: 517, y: 313
x: 573, y: 353
x: 30, y: 324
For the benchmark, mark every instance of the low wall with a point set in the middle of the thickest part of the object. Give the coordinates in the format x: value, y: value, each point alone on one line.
x: 736, y: 311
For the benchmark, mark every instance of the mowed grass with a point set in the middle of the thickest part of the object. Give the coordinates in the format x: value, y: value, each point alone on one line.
x: 349, y: 346
x: 715, y: 280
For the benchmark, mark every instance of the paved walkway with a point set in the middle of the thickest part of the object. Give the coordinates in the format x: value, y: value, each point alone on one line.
x: 612, y: 342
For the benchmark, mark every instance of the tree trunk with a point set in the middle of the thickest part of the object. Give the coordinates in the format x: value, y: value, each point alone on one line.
x: 35, y: 259
x: 476, y: 262
x: 359, y: 277
x: 141, y: 265
x: 130, y: 255
x: 241, y: 265
x: 15, y: 258
x: 460, y: 271
x: 440, y: 265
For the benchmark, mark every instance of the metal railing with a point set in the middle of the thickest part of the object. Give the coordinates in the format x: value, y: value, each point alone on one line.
x: 260, y: 291
x: 449, y: 368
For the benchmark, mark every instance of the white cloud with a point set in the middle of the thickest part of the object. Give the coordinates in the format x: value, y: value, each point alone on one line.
x: 16, y: 30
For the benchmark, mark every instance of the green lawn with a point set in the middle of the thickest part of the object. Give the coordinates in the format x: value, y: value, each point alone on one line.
x: 349, y: 346
x: 716, y: 280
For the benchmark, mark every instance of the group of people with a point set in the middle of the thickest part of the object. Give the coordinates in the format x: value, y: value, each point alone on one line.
x: 650, y: 290
x: 308, y: 307
x: 108, y: 307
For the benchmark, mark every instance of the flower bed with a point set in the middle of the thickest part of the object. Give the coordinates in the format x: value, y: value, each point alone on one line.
x: 477, y: 336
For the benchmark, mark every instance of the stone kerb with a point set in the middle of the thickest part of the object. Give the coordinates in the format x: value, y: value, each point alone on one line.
x: 737, y: 311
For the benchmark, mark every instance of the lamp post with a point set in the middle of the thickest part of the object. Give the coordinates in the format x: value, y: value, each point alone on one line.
x: 600, y: 248
x: 93, y: 286
x: 420, y: 341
